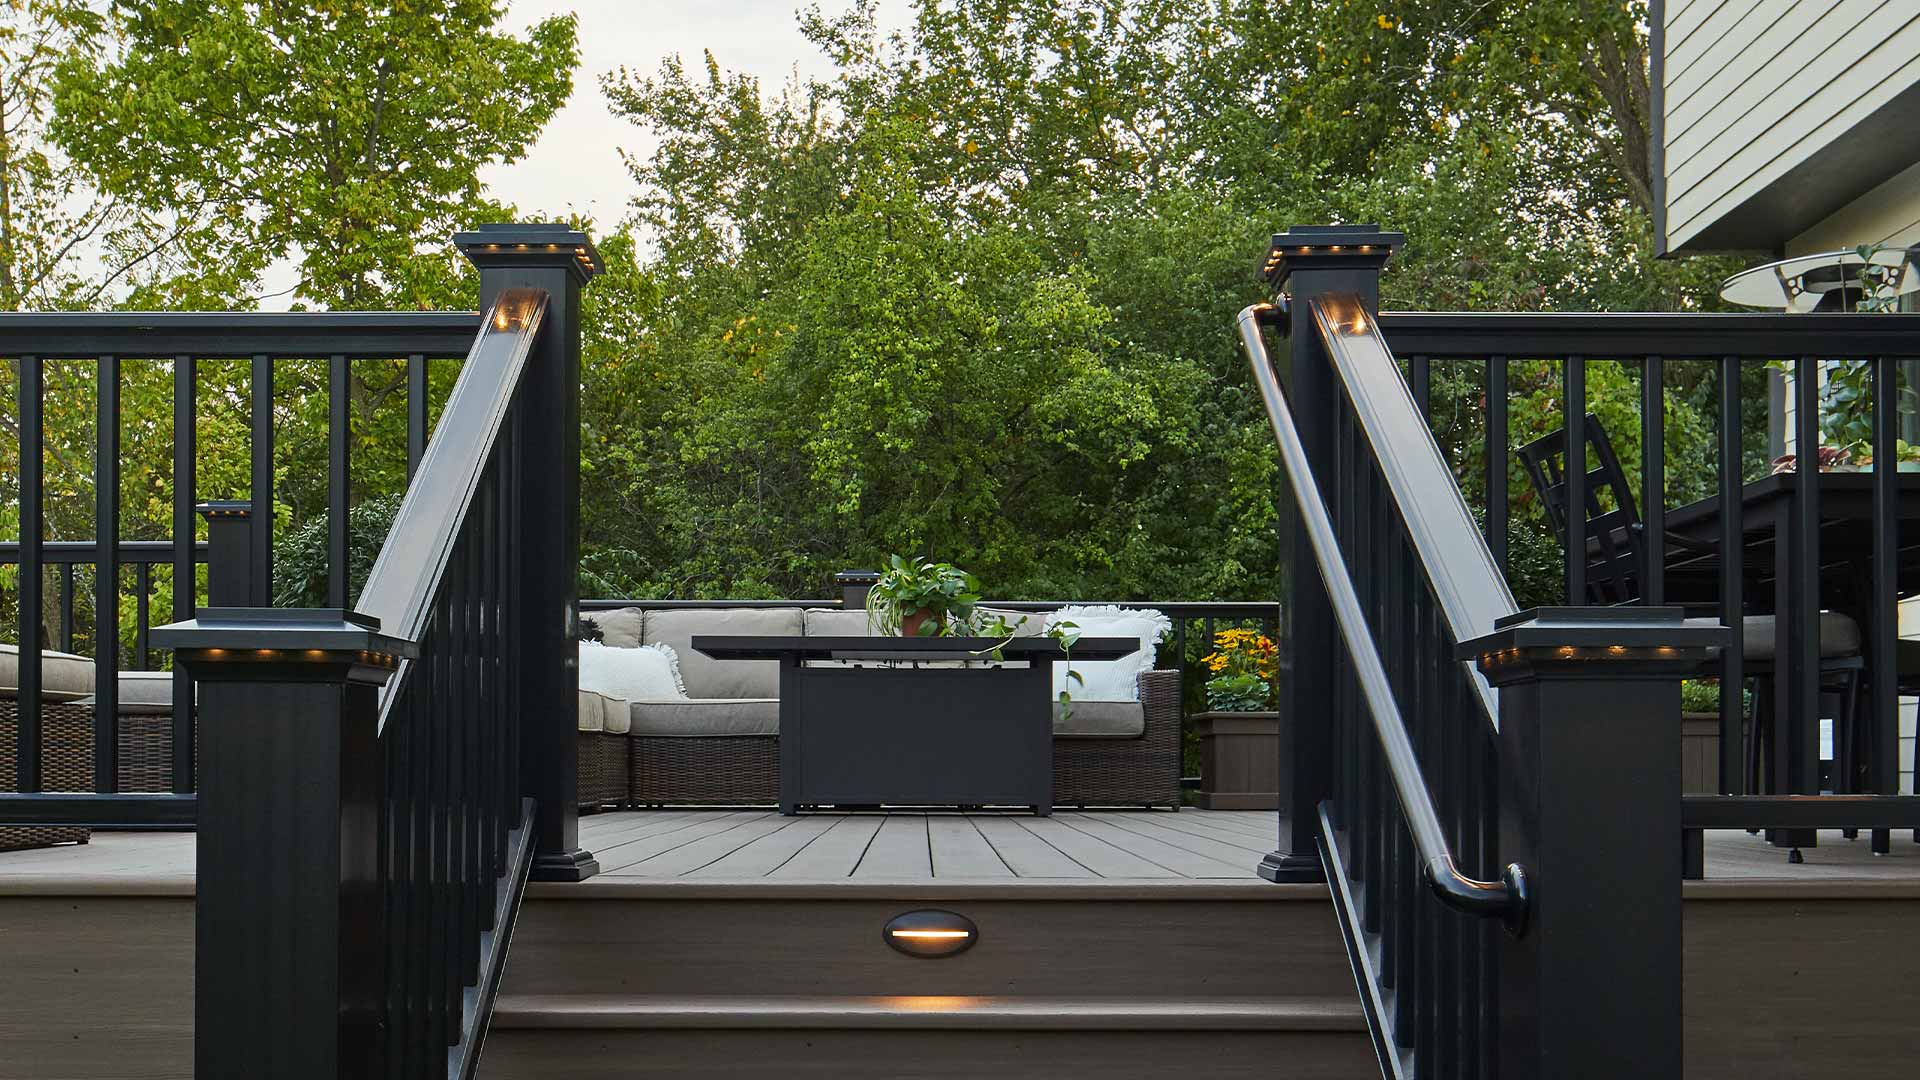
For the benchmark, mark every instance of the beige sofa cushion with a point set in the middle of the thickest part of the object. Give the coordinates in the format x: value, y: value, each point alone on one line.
x: 63, y: 676
x: 143, y: 693
x: 617, y: 716
x: 1035, y: 625
x: 619, y: 628
x: 706, y: 677
x: 834, y: 622
x: 592, y: 712
x: 707, y: 716
x: 1100, y: 720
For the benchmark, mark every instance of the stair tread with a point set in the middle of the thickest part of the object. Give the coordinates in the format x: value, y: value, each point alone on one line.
x: 590, y: 1011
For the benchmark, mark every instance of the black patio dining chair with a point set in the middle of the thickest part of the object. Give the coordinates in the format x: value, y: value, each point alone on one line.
x: 1616, y: 556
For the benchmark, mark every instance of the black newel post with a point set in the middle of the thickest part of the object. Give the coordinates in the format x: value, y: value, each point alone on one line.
x: 289, y: 974
x: 229, y: 553
x: 1304, y: 262
x: 546, y: 445
x: 1590, y: 805
x: 854, y: 587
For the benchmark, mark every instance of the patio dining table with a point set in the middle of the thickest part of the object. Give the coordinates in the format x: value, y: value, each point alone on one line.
x: 1846, y: 539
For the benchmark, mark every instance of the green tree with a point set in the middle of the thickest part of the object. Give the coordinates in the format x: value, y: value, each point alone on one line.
x: 349, y: 134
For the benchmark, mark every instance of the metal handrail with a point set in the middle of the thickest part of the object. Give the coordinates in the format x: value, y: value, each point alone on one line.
x: 1505, y: 899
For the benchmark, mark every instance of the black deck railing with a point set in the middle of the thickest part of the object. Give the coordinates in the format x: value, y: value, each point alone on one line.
x: 374, y: 786
x: 1383, y: 832
x: 1466, y: 756
x: 181, y: 341
x: 1788, y: 546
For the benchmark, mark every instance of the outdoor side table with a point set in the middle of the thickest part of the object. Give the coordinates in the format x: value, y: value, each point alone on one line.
x: 894, y: 733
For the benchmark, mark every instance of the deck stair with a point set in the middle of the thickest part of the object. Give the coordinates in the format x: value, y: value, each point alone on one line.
x: 1087, y: 979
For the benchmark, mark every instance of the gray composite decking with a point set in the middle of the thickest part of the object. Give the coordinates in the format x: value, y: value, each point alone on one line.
x: 1072, y: 847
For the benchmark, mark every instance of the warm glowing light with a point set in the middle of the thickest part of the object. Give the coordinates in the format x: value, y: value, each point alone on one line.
x: 931, y: 935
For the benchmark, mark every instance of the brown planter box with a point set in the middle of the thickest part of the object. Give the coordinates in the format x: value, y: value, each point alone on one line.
x: 1239, y: 760
x: 1700, y: 752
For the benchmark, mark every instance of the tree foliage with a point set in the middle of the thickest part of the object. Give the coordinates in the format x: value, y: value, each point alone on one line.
x: 967, y: 295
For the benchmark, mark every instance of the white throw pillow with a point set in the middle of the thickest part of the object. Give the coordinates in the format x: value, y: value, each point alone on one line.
x: 1110, y: 680
x: 651, y: 673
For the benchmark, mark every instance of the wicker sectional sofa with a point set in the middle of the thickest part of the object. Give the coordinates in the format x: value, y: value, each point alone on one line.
x: 722, y: 746
x: 66, y: 735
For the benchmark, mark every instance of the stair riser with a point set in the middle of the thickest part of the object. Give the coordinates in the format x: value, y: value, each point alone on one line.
x: 925, y: 1055
x: 1118, y: 948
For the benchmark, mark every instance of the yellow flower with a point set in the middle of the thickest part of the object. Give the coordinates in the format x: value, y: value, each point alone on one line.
x: 1383, y: 22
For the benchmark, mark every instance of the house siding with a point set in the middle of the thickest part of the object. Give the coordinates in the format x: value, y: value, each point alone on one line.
x: 1752, y: 89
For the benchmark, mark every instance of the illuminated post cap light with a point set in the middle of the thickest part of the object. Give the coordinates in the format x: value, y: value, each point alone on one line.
x: 930, y: 933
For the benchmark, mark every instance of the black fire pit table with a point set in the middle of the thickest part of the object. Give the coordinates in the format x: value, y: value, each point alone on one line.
x: 893, y: 732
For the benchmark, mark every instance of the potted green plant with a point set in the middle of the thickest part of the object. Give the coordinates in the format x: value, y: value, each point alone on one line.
x: 917, y: 597
x: 1240, y: 731
x: 920, y: 598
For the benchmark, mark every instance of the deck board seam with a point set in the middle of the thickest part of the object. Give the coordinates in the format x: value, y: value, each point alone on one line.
x: 1133, y: 854
x: 1063, y: 854
x: 985, y: 839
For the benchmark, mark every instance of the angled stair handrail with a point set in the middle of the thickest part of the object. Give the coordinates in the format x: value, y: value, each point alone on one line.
x: 1505, y: 899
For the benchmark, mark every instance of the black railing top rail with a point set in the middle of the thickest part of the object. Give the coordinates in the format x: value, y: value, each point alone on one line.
x: 1669, y: 335
x: 406, y: 575
x: 1505, y: 899
x: 237, y: 335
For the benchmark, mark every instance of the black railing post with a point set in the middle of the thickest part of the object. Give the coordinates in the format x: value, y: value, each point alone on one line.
x: 854, y: 587
x: 229, y: 554
x: 560, y: 260
x: 1305, y: 262
x: 1590, y: 805
x: 289, y: 925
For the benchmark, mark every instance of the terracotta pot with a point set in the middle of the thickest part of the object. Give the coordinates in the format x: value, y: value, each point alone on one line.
x: 910, y: 623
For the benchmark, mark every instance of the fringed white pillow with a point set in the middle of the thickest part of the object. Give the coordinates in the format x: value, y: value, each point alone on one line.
x: 1110, y: 680
x: 649, y: 673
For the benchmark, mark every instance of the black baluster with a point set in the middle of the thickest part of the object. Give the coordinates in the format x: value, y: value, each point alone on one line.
x: 1883, y: 629
x: 1497, y: 454
x: 339, y: 479
x: 1574, y: 393
x: 32, y: 533
x: 1420, y: 378
x: 185, y: 585
x: 1733, y: 733
x: 1653, y: 481
x: 262, y: 479
x: 66, y: 606
x: 106, y: 576
x: 416, y: 412
x: 1800, y: 709
x: 142, y: 619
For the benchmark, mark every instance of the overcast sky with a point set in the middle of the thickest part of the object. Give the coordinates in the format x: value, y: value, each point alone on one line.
x: 575, y: 165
